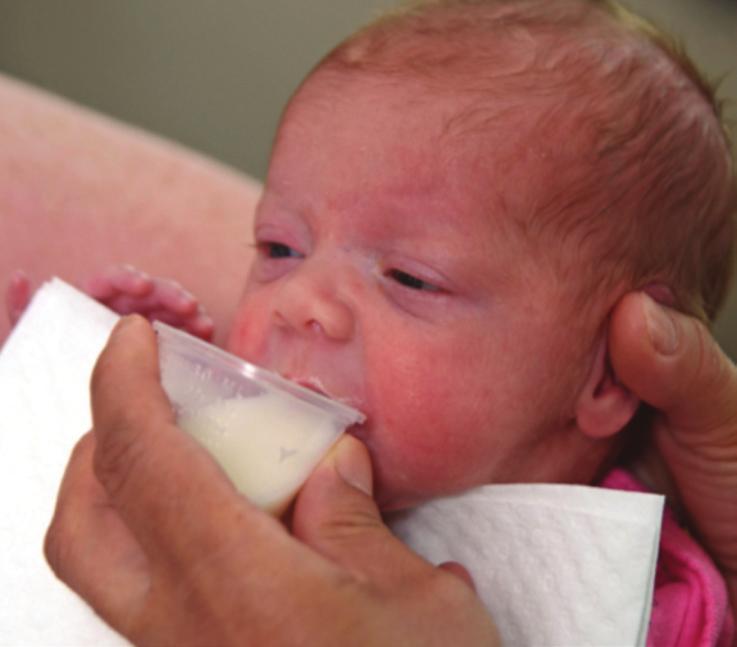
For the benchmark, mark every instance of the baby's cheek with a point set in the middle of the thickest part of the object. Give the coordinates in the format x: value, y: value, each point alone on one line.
x: 428, y: 445
x: 246, y: 334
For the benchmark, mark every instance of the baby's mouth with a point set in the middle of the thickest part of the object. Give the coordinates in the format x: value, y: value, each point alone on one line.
x: 358, y: 430
x: 318, y: 386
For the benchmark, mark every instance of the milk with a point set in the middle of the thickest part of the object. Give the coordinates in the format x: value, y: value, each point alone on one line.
x: 267, y: 444
x: 266, y: 432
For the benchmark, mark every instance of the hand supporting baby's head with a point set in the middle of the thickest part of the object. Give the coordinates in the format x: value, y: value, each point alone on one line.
x: 457, y: 197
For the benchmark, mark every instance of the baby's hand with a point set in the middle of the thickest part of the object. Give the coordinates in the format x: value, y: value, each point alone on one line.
x: 126, y: 290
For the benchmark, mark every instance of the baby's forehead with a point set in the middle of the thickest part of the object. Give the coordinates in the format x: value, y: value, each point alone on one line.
x: 448, y: 128
x: 533, y: 86
x: 510, y: 139
x: 494, y: 155
x: 497, y: 117
x: 519, y: 82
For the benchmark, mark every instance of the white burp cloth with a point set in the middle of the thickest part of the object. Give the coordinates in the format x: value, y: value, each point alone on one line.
x: 556, y: 565
x: 45, y: 368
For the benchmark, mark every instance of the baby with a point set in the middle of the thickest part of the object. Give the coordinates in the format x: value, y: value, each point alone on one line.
x: 457, y: 196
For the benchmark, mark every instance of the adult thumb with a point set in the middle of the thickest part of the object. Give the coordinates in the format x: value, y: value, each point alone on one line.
x: 336, y: 515
x: 672, y: 362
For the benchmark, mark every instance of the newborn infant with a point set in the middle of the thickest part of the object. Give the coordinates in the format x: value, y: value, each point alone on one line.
x: 457, y: 196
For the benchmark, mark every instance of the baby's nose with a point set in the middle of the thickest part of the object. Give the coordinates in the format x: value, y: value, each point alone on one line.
x: 311, y: 303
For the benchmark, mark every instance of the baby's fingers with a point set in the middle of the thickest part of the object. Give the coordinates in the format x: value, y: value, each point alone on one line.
x: 127, y: 290
x: 172, y: 297
x: 17, y: 295
x: 117, y: 280
x: 178, y: 307
x: 199, y: 324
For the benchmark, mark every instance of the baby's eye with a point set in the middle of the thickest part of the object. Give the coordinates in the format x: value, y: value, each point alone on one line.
x: 277, y: 250
x: 411, y: 282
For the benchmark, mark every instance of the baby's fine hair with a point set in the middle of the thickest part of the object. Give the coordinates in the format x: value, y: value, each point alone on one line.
x: 643, y: 192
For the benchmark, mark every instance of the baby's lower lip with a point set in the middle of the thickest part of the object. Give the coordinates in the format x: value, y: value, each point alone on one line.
x: 314, y: 384
x: 358, y: 431
x: 311, y: 383
x: 312, y: 387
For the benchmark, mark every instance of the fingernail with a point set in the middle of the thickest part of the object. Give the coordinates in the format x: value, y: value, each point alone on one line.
x: 661, y: 327
x: 129, y: 320
x: 135, y: 272
x: 18, y: 276
x: 353, y: 466
x: 124, y: 322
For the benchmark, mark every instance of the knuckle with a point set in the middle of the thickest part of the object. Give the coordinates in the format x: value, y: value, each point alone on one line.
x: 58, y: 544
x: 344, y: 525
x: 102, y: 379
x: 709, y: 369
x: 53, y: 546
x: 448, y: 592
x: 118, y: 457
x: 99, y: 374
x: 178, y: 288
x: 170, y: 285
x: 107, y: 413
x: 352, y: 521
x: 60, y: 536
x: 711, y: 380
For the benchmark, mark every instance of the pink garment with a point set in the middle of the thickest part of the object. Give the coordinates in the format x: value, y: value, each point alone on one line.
x: 690, y: 604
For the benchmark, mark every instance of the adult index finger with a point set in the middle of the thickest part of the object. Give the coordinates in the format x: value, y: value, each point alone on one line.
x: 176, y: 500
x: 672, y: 362
x: 89, y: 547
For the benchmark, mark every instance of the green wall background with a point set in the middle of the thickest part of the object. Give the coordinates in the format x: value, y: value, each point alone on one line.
x: 214, y: 75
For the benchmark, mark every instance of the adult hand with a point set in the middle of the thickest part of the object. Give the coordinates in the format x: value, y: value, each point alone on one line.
x: 672, y: 362
x: 152, y: 534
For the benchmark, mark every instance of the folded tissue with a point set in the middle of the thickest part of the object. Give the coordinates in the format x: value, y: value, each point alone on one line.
x: 555, y: 564
x: 45, y: 368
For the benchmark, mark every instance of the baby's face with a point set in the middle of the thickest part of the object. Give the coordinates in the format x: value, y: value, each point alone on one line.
x: 389, y: 276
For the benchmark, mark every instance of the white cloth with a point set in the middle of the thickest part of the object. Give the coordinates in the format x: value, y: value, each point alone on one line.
x: 45, y: 368
x: 554, y: 564
x: 557, y: 565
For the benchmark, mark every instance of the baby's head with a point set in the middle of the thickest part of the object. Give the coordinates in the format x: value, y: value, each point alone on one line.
x: 457, y: 197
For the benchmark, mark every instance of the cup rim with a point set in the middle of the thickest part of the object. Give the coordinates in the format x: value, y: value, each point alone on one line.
x: 183, y: 342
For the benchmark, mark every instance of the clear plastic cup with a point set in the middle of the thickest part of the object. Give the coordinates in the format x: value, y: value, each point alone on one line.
x: 266, y: 432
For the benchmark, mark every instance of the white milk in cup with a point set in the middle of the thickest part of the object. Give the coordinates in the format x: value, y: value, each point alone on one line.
x: 266, y: 432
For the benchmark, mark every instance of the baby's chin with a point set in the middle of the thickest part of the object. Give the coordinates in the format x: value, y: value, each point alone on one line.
x: 389, y: 495
x: 403, y: 477
x: 397, y: 494
x: 391, y: 502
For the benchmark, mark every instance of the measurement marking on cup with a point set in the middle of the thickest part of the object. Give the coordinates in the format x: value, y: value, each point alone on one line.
x: 286, y: 453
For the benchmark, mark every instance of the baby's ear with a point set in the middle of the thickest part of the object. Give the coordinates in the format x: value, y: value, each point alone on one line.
x: 604, y: 406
